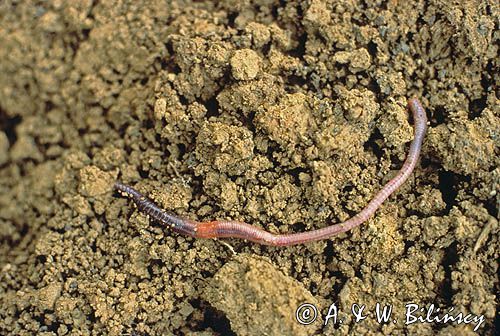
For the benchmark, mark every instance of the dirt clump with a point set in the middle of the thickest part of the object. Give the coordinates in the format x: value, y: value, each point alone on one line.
x: 286, y: 115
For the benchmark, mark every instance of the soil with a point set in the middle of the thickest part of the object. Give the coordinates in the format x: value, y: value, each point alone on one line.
x: 287, y: 115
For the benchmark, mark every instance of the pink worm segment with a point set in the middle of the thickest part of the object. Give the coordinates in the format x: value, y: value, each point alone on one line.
x: 233, y: 229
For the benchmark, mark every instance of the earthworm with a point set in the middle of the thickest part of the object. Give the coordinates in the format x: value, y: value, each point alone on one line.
x: 234, y: 229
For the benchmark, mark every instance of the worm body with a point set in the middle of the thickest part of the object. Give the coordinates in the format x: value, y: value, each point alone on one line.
x: 148, y: 207
x: 234, y: 229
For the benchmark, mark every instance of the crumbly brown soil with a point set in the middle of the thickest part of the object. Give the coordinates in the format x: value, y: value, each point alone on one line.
x: 287, y: 115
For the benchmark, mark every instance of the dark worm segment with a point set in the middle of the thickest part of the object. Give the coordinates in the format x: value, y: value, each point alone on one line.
x: 147, y: 206
x: 232, y: 229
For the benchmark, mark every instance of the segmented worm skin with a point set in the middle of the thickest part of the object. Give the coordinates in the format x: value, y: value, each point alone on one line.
x: 147, y: 206
x: 233, y: 229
